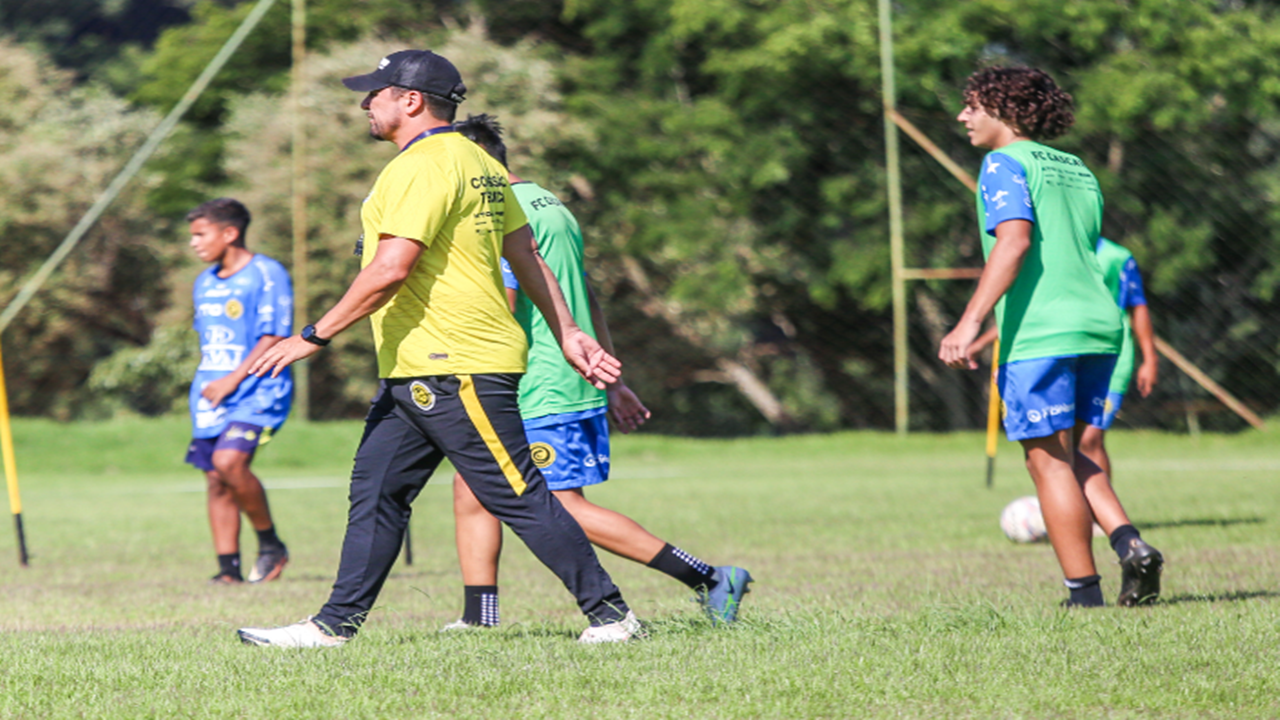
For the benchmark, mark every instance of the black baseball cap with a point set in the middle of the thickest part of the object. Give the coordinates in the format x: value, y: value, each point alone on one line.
x: 420, y: 70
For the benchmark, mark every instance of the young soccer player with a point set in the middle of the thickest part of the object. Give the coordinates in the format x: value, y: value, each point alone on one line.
x: 243, y: 305
x: 1060, y: 329
x: 1124, y: 281
x: 565, y: 419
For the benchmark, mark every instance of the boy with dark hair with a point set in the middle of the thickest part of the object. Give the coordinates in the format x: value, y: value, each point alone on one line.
x: 565, y: 419
x: 1059, y: 327
x: 243, y: 305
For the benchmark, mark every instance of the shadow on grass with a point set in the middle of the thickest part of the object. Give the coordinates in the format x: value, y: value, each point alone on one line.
x: 1235, y: 596
x: 1202, y: 522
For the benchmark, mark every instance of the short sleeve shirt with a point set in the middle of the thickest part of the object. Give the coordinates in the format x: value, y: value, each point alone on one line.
x: 231, y: 315
x: 450, y: 316
x: 552, y: 387
x: 1120, y: 271
x: 1058, y: 306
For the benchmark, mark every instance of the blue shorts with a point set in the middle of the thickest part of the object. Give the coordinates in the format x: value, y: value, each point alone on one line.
x: 1042, y: 396
x: 573, y: 453
x: 237, y: 436
x: 1112, y: 408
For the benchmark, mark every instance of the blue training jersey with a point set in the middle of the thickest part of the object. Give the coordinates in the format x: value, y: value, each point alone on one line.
x: 232, y: 314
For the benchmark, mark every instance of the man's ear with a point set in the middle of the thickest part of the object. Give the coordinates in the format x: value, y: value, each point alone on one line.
x: 414, y: 102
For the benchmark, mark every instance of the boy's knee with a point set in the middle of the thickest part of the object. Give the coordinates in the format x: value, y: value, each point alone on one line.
x: 230, y: 464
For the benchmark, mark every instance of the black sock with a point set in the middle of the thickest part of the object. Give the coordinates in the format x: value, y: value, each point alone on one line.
x: 267, y: 540
x: 682, y: 566
x: 1085, y: 591
x: 1120, y: 538
x: 229, y: 564
x: 480, y: 605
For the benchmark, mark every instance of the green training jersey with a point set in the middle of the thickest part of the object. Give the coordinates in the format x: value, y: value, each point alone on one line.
x: 551, y: 386
x: 1120, y: 272
x: 1058, y: 305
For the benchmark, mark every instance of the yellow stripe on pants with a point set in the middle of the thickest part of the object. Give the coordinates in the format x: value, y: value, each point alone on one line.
x: 475, y: 411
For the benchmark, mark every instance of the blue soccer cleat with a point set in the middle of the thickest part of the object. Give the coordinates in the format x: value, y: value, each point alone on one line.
x: 722, y: 600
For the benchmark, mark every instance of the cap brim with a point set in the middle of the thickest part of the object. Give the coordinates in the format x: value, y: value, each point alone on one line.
x: 364, y: 83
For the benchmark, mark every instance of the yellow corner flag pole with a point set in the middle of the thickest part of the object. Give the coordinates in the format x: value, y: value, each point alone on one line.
x: 993, y: 413
x: 10, y: 467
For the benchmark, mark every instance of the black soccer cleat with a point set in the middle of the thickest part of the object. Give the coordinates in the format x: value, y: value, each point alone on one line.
x: 1140, y: 574
x: 269, y: 565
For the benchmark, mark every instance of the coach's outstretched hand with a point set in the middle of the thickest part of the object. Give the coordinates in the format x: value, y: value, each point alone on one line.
x: 282, y: 355
x: 625, y: 409
x: 590, y: 359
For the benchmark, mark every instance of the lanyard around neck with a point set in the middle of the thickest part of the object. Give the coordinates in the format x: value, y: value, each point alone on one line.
x: 429, y: 133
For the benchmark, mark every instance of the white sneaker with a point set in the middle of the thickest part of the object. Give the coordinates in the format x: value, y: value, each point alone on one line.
x: 617, y: 631
x: 461, y: 624
x: 304, y: 634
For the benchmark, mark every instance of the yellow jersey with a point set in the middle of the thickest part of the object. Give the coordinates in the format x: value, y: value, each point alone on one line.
x: 450, y: 316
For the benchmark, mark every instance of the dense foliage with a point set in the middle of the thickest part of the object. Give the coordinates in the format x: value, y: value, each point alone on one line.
x: 726, y: 160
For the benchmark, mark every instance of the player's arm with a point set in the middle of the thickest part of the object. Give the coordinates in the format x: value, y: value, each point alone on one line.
x: 984, y: 340
x: 217, y: 391
x: 538, y: 282
x: 1013, y: 241
x: 625, y: 408
x: 376, y: 284
x: 1149, y: 372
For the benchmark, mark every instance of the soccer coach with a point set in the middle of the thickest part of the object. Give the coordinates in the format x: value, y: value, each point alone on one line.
x: 450, y: 354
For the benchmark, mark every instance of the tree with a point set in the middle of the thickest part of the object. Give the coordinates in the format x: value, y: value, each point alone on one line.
x: 59, y: 145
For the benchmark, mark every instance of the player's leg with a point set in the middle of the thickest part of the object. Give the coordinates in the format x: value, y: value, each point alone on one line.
x: 392, y: 464
x: 232, y: 457
x: 1039, y: 397
x: 1140, y: 564
x: 1092, y: 442
x: 224, y: 523
x: 475, y: 419
x: 224, y: 515
x: 611, y: 530
x: 1062, y: 501
x: 719, y: 589
x: 575, y: 454
x: 479, y: 540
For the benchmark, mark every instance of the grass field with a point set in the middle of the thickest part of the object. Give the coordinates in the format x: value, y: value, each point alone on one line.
x: 884, y: 589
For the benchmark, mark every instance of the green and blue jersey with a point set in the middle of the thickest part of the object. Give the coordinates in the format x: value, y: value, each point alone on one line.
x: 1058, y: 305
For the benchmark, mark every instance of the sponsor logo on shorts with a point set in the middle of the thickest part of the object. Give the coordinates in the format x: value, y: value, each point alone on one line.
x: 594, y: 460
x: 235, y: 309
x: 1036, y: 416
x: 422, y: 395
x: 543, y: 454
x: 236, y: 432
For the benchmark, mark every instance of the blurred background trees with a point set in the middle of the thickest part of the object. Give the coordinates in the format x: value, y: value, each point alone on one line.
x: 724, y: 156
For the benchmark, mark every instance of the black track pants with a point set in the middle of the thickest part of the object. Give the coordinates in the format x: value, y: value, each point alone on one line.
x: 474, y: 421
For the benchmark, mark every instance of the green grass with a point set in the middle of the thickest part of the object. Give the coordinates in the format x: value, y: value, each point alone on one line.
x: 884, y: 589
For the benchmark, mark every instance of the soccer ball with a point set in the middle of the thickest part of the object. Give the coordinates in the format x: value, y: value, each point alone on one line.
x: 1022, y: 522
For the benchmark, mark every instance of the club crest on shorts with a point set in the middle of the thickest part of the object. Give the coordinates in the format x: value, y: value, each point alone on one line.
x: 234, y: 309
x: 422, y: 395
x: 543, y: 454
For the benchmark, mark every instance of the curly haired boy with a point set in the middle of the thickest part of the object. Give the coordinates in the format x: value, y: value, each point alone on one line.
x: 1060, y: 329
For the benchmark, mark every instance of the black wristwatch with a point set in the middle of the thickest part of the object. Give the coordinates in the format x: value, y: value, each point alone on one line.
x: 309, y: 334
